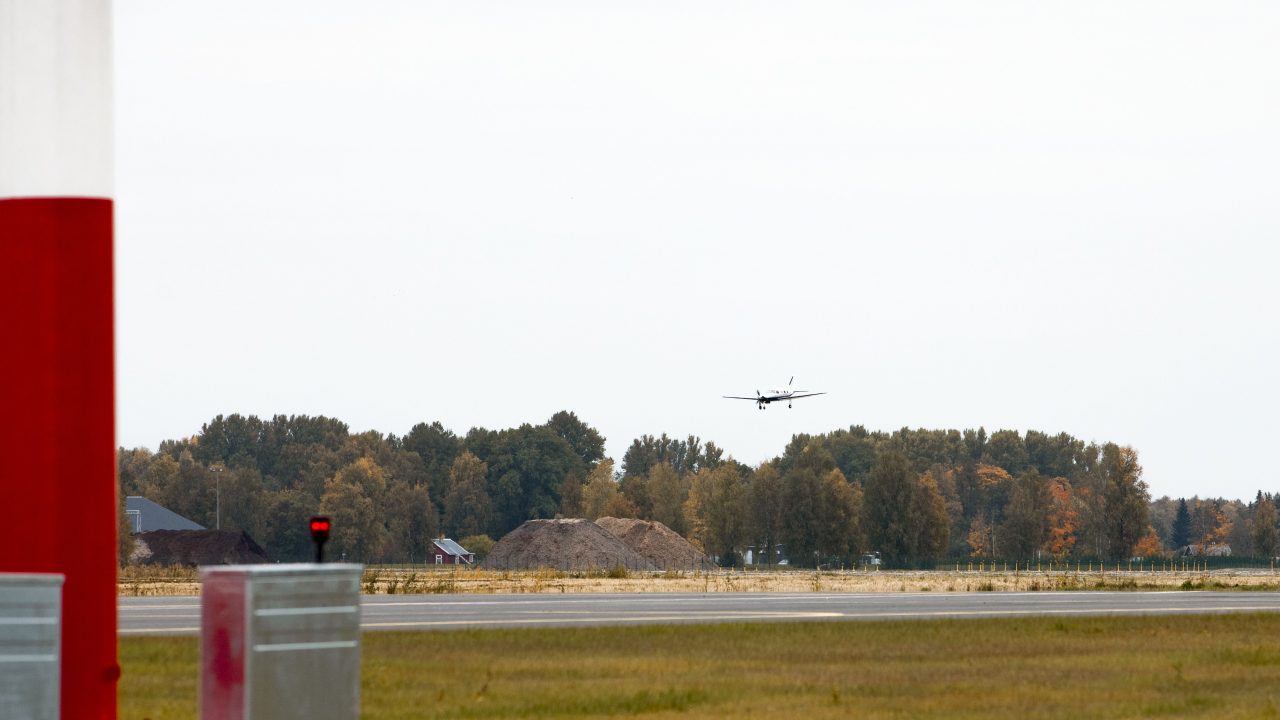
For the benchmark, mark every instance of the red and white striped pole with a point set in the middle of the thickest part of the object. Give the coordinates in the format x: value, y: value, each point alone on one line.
x: 57, y: 365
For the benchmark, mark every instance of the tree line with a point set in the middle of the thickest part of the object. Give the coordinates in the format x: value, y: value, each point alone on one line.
x: 915, y: 496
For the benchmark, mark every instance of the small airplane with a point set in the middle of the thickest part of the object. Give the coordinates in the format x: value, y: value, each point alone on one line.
x: 776, y: 395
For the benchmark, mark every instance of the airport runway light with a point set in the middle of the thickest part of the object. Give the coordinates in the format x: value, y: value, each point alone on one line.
x: 320, y: 534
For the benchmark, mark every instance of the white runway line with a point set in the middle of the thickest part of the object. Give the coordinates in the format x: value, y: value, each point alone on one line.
x: 595, y: 620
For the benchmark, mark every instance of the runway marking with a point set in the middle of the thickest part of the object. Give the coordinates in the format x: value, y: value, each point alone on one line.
x: 1080, y: 611
x: 320, y: 610
x: 173, y: 615
x: 294, y: 647
x: 373, y: 600
x: 153, y: 631
x: 591, y: 620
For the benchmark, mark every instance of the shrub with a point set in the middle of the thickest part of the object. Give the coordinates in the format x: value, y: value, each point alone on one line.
x: 479, y: 545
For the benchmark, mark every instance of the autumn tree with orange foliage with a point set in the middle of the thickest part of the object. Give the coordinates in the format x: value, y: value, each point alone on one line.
x: 1063, y: 519
x: 1149, y: 546
x: 1209, y: 523
x: 993, y: 479
x: 944, y: 478
x: 985, y: 491
x: 979, y: 538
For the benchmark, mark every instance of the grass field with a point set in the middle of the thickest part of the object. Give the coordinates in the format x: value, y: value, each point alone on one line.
x: 1182, y: 666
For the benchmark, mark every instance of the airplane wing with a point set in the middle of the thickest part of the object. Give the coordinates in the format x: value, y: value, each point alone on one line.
x: 793, y: 397
x: 739, y: 397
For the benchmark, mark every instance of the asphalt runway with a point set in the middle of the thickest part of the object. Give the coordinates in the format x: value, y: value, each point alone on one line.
x: 181, y: 615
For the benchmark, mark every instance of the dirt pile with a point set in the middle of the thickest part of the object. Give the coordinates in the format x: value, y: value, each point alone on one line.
x: 570, y: 544
x: 196, y: 547
x: 663, y: 547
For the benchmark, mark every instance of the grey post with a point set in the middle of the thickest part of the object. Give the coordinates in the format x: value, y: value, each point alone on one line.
x: 30, y: 646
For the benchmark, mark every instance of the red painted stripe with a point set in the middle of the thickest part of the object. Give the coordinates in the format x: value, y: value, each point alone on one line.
x: 57, y: 426
x: 223, y: 653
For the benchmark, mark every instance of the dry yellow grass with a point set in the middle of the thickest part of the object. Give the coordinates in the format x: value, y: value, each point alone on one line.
x: 403, y: 580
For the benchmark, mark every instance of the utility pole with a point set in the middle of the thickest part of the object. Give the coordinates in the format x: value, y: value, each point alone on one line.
x: 217, y: 496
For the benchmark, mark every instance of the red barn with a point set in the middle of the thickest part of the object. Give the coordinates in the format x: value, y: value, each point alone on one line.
x: 447, y: 552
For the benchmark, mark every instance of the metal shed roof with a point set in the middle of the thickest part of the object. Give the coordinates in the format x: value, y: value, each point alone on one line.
x: 148, y: 516
x: 450, y: 547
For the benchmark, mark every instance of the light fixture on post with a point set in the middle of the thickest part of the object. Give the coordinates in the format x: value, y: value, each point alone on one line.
x: 217, y: 495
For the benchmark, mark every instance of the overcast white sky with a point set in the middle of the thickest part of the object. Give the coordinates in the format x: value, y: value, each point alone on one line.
x: 1059, y: 216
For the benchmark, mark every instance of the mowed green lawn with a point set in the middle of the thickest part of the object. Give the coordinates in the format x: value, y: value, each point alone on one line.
x: 1187, y: 666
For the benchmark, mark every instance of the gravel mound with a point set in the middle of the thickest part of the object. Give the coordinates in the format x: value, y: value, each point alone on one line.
x: 568, y: 544
x: 663, y: 547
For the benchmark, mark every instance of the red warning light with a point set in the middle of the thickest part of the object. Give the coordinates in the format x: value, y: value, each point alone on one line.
x: 319, y: 534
